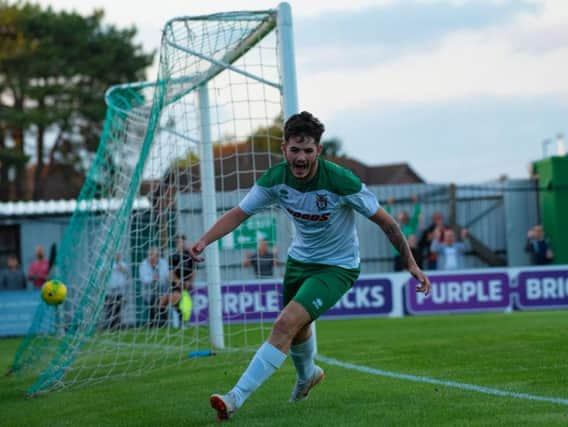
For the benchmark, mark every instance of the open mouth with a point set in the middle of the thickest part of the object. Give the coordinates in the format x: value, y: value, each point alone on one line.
x: 300, y: 169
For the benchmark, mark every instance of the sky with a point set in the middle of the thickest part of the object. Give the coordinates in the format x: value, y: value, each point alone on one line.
x: 464, y: 91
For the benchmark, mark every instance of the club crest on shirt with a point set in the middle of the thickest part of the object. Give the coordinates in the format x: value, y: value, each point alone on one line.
x: 321, y: 201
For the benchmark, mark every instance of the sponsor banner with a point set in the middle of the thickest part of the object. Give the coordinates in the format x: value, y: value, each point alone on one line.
x: 455, y: 292
x: 254, y: 302
x: 461, y: 292
x: 246, y: 302
x: 17, y: 309
x: 543, y: 289
x: 367, y: 298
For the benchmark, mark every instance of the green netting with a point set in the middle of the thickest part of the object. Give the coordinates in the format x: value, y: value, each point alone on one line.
x: 143, y: 187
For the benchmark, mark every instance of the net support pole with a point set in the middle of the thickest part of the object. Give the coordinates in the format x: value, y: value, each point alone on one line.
x: 212, y: 265
x: 287, y: 61
x: 287, y: 65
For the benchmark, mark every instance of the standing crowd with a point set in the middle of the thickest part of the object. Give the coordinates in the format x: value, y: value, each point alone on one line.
x: 440, y: 246
x: 13, y: 278
x: 434, y: 247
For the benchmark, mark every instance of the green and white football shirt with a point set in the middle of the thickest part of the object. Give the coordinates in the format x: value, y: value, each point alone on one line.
x: 322, y: 210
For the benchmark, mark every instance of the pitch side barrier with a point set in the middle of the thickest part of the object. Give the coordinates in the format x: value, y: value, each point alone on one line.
x: 387, y: 295
x: 392, y: 295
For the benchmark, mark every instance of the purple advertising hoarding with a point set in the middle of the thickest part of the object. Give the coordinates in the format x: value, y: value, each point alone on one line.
x: 452, y: 292
x: 241, y: 302
x: 457, y: 292
x: 367, y: 298
x: 460, y: 292
x: 255, y: 302
x: 543, y: 289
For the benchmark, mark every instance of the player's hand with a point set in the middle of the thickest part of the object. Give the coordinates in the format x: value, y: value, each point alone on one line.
x: 424, y: 285
x: 196, y: 250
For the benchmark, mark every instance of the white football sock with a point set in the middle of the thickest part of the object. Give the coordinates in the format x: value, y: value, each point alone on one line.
x: 303, y: 357
x: 264, y: 363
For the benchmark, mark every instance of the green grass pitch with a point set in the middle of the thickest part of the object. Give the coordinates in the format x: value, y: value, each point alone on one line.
x: 518, y: 352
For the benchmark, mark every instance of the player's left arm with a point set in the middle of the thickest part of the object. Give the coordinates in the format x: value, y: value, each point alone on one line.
x: 394, y: 234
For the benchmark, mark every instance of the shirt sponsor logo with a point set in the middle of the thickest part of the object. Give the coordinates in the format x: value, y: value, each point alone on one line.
x: 309, y: 217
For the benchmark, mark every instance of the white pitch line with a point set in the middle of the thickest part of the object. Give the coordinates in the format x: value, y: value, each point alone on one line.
x: 428, y: 380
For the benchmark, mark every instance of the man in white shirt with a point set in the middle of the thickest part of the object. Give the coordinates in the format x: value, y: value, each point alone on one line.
x: 154, y: 277
x: 450, y: 254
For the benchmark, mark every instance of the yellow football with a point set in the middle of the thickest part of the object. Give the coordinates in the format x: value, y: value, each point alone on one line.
x: 53, y: 292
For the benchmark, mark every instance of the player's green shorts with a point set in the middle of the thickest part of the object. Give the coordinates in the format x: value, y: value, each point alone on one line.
x: 316, y: 287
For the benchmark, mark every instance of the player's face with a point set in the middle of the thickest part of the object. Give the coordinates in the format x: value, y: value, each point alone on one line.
x: 301, y: 153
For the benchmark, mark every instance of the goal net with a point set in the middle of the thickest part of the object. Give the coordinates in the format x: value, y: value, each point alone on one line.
x: 174, y: 155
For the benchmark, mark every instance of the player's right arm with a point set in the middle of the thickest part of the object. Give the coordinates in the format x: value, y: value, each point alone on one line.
x: 224, y: 225
x: 257, y: 198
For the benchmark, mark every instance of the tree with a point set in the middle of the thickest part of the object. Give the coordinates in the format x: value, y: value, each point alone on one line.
x: 267, y: 138
x: 54, y: 70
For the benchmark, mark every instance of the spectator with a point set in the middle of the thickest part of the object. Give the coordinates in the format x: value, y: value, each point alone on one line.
x: 12, y: 277
x: 538, y: 246
x: 262, y: 260
x: 115, y: 293
x: 181, y: 263
x: 426, y: 240
x: 408, y: 225
x: 181, y: 278
x: 450, y: 254
x: 154, y: 274
x: 39, y: 268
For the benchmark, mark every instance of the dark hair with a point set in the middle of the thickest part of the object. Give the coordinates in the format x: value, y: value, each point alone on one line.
x: 303, y: 125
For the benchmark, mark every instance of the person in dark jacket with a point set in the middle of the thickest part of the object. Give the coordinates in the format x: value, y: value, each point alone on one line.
x: 538, y: 246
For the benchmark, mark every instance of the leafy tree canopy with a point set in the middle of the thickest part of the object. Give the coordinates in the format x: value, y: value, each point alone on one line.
x: 54, y: 70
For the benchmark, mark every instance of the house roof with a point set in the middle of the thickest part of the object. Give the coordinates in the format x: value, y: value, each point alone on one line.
x: 243, y: 169
x: 236, y: 171
x: 395, y: 173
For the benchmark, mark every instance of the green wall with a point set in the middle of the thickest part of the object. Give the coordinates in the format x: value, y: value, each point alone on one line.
x: 553, y: 182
